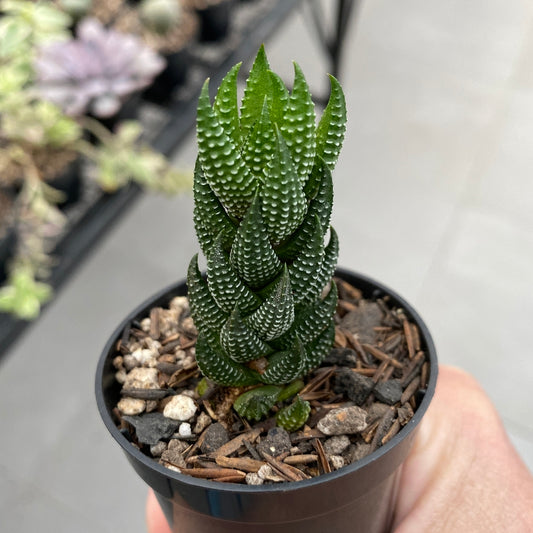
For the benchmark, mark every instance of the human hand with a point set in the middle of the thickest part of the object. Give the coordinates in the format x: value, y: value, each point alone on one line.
x: 462, y: 474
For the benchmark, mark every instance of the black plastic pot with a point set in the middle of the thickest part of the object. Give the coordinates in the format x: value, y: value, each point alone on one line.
x: 128, y: 111
x: 358, y: 498
x: 173, y: 75
x: 69, y: 183
x: 8, y: 245
x: 215, y: 21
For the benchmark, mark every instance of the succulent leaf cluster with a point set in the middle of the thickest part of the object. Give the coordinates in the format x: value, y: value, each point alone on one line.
x: 263, y: 199
x: 160, y: 16
x: 95, y: 71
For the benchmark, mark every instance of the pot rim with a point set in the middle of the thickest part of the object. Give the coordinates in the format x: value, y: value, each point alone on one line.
x: 280, y: 487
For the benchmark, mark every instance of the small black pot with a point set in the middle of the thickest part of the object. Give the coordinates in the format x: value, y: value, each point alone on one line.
x: 128, y: 111
x: 8, y: 246
x: 215, y: 21
x: 358, y: 498
x: 69, y: 183
x: 170, y: 78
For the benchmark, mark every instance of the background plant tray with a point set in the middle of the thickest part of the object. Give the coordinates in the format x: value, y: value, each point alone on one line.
x: 166, y: 127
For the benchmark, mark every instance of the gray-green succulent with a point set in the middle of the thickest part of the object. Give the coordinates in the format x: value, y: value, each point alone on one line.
x: 263, y: 198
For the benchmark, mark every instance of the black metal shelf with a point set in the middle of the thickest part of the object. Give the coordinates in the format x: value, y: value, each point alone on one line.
x: 101, y: 215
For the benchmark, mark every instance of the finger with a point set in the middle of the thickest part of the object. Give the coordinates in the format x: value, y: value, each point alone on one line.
x: 155, y: 519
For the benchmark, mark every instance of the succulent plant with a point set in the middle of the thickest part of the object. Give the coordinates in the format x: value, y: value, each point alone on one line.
x: 263, y: 199
x: 95, y: 71
x: 160, y: 16
x: 38, y: 22
x: 77, y: 9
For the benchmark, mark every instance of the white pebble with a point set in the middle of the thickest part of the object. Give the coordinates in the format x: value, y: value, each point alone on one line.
x: 157, y: 449
x: 142, y: 378
x: 266, y: 472
x: 202, y: 422
x: 145, y: 356
x: 336, y: 461
x: 185, y: 429
x: 180, y: 407
x: 180, y: 303
x: 253, y: 479
x: 131, y: 406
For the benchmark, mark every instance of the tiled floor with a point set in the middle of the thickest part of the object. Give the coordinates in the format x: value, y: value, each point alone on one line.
x: 434, y: 196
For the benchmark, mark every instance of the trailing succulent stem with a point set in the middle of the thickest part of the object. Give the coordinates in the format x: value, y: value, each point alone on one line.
x: 263, y: 198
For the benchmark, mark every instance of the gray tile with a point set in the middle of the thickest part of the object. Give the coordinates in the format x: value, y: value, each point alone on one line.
x: 478, y: 39
x: 404, y: 168
x: 522, y: 75
x: 88, y: 472
x: 477, y: 300
x: 25, y: 507
x: 504, y: 183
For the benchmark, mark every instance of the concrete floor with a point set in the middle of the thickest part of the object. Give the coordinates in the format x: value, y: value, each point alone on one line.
x: 434, y: 197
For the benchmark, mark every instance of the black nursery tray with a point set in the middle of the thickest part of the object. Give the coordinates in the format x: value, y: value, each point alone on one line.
x: 252, y: 23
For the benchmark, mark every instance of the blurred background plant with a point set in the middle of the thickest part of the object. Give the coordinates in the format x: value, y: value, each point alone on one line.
x: 50, y: 83
x: 95, y: 72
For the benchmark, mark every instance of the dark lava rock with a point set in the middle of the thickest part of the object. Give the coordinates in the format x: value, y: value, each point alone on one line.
x: 353, y: 385
x: 152, y: 427
x: 306, y: 446
x: 341, y: 357
x: 215, y: 436
x: 388, y: 392
x: 377, y: 411
x: 363, y: 320
x: 355, y: 452
x: 275, y: 443
x: 174, y: 453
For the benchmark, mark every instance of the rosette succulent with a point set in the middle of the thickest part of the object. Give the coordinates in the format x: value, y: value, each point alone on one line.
x: 263, y: 199
x: 96, y: 71
x: 160, y: 16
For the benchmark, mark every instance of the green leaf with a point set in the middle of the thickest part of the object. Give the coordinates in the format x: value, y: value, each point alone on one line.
x: 310, y: 321
x: 262, y: 83
x: 278, y: 98
x: 23, y: 296
x: 276, y: 314
x: 329, y: 262
x: 240, y: 342
x: 317, y: 350
x: 261, y: 144
x: 332, y: 126
x: 204, y: 310
x: 225, y: 285
x: 284, y: 202
x: 291, y: 390
x: 256, y: 403
x: 313, y: 319
x: 303, y: 270
x: 217, y: 366
x: 320, y: 206
x: 221, y: 161
x: 252, y: 255
x: 209, y: 216
x: 294, y: 416
x: 285, y: 366
x: 257, y: 87
x: 226, y: 105
x: 298, y: 128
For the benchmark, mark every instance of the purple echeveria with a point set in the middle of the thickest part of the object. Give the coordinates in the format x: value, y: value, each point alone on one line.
x: 95, y: 71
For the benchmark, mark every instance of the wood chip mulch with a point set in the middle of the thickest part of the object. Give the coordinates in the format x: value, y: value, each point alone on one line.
x: 377, y: 367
